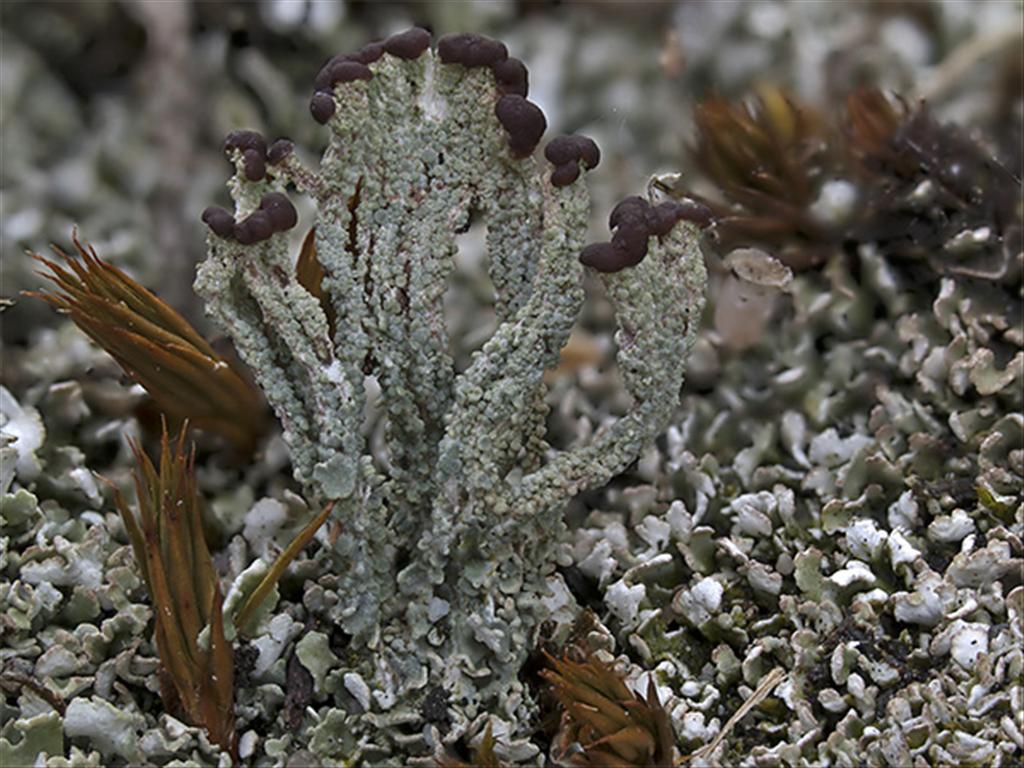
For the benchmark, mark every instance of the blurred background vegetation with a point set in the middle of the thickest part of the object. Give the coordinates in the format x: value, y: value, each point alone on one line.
x: 112, y: 112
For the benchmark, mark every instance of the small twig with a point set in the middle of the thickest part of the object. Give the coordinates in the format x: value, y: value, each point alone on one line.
x: 763, y: 690
x: 965, y: 57
x: 267, y: 583
x: 51, y: 698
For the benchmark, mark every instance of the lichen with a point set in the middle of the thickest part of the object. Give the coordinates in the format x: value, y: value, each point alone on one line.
x: 460, y: 506
x: 845, y: 463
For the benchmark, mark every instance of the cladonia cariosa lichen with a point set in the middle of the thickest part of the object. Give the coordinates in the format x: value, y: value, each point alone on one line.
x: 449, y: 529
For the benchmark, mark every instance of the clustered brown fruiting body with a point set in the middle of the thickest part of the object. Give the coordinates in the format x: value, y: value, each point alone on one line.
x: 254, y: 152
x: 347, y: 67
x: 523, y: 121
x: 343, y: 68
x: 279, y: 150
x: 566, y: 153
x: 635, y: 221
x: 511, y: 77
x: 408, y: 45
x: 321, y: 107
x: 472, y: 50
x: 275, y: 214
x: 219, y: 220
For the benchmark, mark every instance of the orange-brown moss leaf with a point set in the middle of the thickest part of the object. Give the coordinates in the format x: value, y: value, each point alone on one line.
x: 310, y: 274
x: 167, y: 538
x: 155, y: 346
x: 872, y: 121
x: 217, y: 697
x: 768, y: 157
x: 603, y: 722
x: 308, y: 271
x: 483, y: 756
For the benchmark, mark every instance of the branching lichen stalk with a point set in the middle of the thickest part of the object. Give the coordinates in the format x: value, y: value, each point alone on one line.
x: 449, y: 533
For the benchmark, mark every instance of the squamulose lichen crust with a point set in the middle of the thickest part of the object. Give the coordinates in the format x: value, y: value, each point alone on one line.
x: 811, y: 553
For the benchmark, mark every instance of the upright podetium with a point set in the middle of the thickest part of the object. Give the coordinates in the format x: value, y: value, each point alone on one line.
x: 447, y: 553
